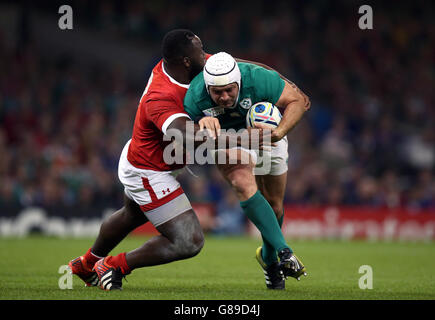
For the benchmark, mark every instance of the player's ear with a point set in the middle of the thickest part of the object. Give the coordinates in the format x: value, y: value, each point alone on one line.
x: 186, y: 62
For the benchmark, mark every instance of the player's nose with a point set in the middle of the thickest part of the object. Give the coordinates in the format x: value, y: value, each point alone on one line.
x: 224, y: 97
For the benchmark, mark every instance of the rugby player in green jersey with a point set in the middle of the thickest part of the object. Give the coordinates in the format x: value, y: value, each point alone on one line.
x: 220, y: 97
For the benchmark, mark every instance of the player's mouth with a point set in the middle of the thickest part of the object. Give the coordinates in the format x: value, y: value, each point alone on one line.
x: 227, y: 104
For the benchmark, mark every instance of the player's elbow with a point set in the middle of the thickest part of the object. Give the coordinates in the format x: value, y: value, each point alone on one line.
x: 305, y: 101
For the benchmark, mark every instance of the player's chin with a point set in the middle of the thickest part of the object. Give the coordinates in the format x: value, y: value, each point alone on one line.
x: 227, y: 104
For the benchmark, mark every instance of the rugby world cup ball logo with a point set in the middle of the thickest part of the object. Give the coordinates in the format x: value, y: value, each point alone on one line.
x: 265, y: 113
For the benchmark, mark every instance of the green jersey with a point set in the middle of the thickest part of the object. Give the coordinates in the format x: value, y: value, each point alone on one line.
x: 257, y: 85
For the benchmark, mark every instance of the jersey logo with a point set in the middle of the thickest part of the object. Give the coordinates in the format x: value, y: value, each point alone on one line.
x: 214, y: 112
x: 235, y: 114
x: 246, y: 103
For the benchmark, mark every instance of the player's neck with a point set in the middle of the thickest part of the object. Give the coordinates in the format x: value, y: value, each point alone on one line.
x: 178, y: 73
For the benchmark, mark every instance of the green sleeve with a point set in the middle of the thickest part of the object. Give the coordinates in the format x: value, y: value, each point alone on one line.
x: 268, y: 84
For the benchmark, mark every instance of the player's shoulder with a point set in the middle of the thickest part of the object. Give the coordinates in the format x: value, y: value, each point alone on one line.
x: 197, y: 83
x: 249, y: 71
x: 197, y: 91
x: 253, y: 75
x: 161, y: 93
x: 160, y: 87
x: 249, y: 67
x: 252, y: 70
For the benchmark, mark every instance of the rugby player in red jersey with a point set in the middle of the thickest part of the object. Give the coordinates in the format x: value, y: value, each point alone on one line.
x: 151, y: 191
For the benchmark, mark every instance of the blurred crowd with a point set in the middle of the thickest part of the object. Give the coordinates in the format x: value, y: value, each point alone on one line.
x: 368, y: 139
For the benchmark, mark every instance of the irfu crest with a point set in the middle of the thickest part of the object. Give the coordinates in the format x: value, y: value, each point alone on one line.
x: 246, y: 103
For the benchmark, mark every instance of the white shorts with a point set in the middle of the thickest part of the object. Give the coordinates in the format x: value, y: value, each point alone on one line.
x: 272, y: 162
x: 158, y: 193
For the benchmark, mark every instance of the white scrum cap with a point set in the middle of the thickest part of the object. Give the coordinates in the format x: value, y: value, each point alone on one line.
x: 221, y: 69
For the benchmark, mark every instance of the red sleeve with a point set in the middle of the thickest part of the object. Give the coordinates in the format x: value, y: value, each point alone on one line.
x: 207, y: 55
x: 158, y: 111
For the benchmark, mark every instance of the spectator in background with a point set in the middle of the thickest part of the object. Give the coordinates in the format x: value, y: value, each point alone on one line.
x: 230, y: 219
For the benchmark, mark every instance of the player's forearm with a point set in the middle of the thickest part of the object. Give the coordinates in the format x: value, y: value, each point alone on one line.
x: 296, y: 103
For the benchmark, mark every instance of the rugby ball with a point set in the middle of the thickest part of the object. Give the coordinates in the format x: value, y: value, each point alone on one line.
x: 263, y: 112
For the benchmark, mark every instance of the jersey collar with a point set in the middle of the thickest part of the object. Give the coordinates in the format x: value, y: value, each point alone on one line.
x: 186, y: 86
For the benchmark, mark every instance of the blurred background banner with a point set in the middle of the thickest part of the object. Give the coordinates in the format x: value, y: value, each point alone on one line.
x: 361, y: 161
x: 301, y: 222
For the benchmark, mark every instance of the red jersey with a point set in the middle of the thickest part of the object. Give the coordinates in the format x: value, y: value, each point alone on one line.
x: 160, y: 104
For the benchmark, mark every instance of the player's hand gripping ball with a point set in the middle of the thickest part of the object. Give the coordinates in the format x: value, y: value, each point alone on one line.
x: 265, y: 113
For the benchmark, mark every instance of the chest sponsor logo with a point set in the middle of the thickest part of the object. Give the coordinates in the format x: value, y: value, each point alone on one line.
x: 214, y: 112
x: 235, y: 114
x: 246, y: 103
